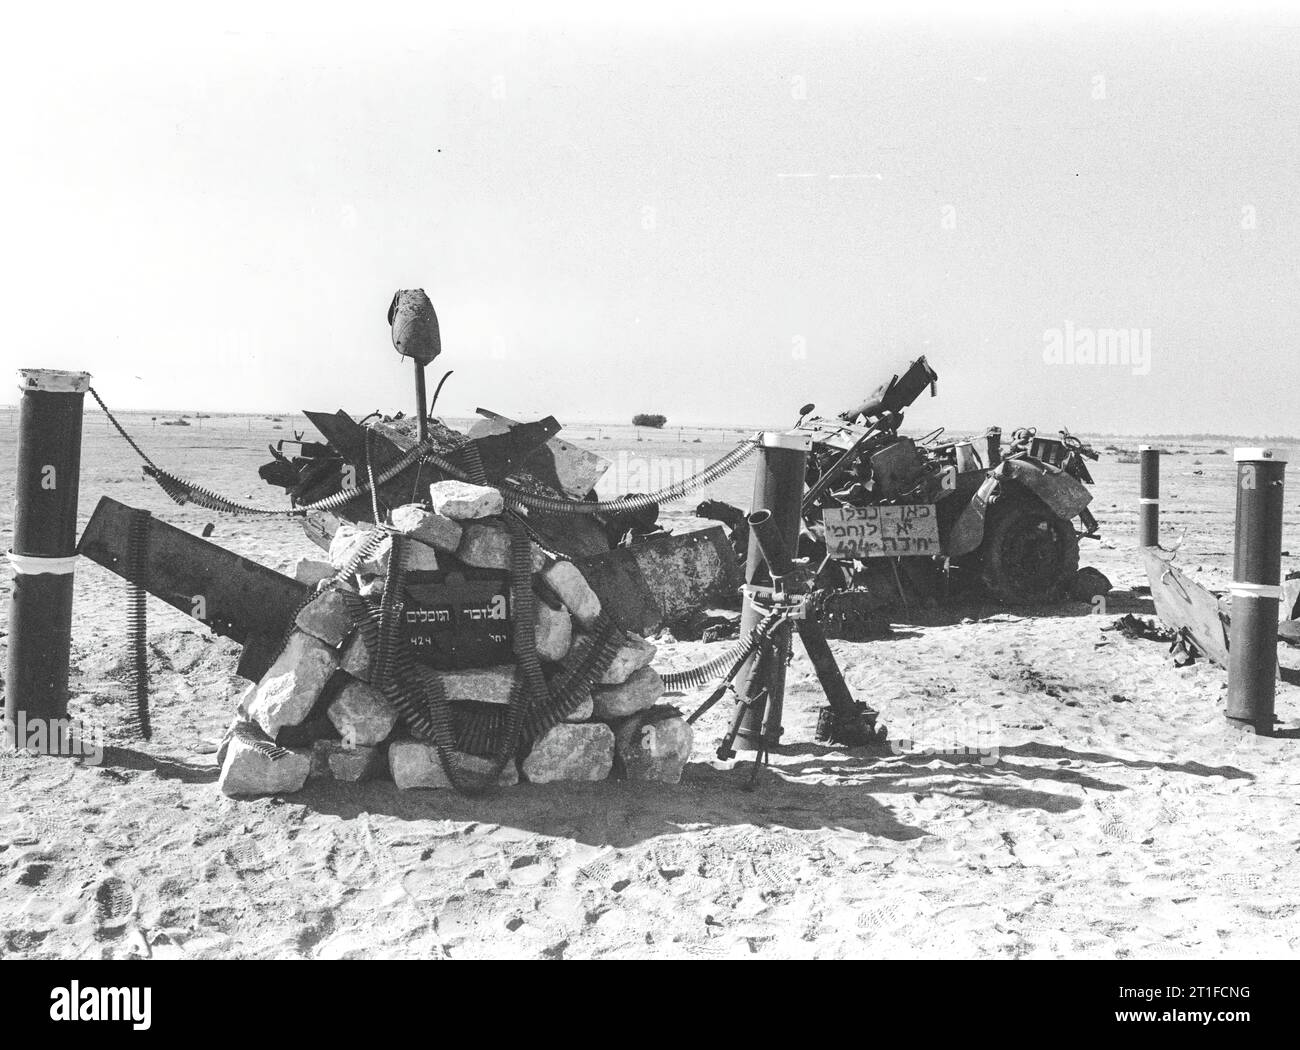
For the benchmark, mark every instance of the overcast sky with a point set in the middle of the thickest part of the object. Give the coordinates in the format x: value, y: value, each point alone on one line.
x: 716, y: 218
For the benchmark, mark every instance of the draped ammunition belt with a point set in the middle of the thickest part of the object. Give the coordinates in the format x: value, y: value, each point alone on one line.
x: 183, y: 491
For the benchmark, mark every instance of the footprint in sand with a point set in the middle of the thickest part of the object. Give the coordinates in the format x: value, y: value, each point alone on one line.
x: 256, y: 871
x: 46, y: 826
x: 1238, y: 880
x: 600, y: 870
x: 776, y: 875
x: 114, y: 906
x: 672, y: 858
x: 711, y: 949
x: 1116, y: 829
x: 886, y: 917
x: 1268, y: 909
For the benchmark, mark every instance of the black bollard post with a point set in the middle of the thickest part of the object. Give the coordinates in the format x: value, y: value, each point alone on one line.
x: 778, y: 487
x: 43, y: 556
x: 1148, y: 496
x: 1256, y: 589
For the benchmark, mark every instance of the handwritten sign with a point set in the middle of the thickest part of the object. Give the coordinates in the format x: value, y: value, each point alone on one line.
x: 882, y: 532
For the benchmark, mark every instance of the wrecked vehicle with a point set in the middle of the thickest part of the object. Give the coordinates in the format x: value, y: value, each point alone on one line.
x: 904, y: 518
x: 1002, y: 517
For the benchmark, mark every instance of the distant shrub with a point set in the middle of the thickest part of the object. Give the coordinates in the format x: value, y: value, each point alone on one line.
x: 649, y: 419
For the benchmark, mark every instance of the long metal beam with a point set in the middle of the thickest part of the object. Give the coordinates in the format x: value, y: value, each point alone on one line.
x: 235, y: 596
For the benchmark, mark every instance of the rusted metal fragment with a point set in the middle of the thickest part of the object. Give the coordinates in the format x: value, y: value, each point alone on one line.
x: 836, y: 434
x: 235, y: 596
x: 557, y: 463
x: 1184, y: 604
x: 1065, y: 495
x: 968, y: 531
x: 575, y: 535
x: 320, y: 526
x: 649, y: 584
x: 341, y: 431
x: 503, y: 452
x: 260, y: 651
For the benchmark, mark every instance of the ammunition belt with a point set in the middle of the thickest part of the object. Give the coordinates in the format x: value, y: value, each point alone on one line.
x: 700, y: 675
x: 516, y: 497
x: 251, y: 734
x: 137, y: 625
x: 183, y: 491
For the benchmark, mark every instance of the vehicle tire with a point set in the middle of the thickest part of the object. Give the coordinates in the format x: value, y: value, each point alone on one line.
x: 1029, y: 553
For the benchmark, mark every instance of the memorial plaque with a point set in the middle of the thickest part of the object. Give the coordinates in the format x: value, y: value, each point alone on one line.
x: 458, y: 619
x: 882, y: 532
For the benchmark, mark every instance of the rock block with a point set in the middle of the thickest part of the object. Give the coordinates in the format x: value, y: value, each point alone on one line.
x: 313, y: 572
x: 347, y: 539
x: 338, y: 761
x: 571, y: 752
x: 571, y: 587
x: 583, y: 712
x: 642, y: 689
x: 554, y: 632
x: 634, y: 655
x: 462, y: 501
x: 428, y: 527
x: 325, y: 617
x: 486, y: 545
x: 414, y: 764
x: 362, y: 715
x: 655, y: 745
x: 487, y: 685
x: 246, y: 772
x: 420, y: 557
x: 355, y: 658
x: 293, y: 684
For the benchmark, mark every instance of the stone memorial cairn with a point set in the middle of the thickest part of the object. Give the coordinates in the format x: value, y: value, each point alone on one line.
x: 315, y: 713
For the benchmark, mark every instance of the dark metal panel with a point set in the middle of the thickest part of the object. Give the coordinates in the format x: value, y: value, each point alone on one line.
x: 236, y: 597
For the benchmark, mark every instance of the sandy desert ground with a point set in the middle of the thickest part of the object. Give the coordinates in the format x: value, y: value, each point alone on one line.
x: 1102, y: 810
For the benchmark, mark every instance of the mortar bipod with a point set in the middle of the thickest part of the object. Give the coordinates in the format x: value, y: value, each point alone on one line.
x: 844, y: 720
